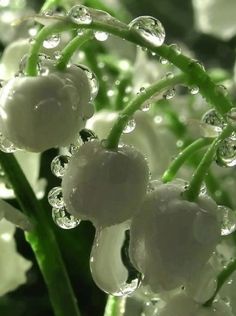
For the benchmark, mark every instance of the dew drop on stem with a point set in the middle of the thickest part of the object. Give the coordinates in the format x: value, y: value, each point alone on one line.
x: 80, y: 14
x: 52, y: 41
x: 226, y: 153
x: 150, y: 29
x: 130, y: 126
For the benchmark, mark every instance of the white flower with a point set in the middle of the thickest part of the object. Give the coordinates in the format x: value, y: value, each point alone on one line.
x: 172, y: 239
x: 105, y: 186
x: 38, y: 113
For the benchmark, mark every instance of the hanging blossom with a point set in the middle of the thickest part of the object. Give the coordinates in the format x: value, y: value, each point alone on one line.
x: 13, y: 266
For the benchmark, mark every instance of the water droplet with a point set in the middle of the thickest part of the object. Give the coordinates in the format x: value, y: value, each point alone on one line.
x: 231, y: 115
x: 80, y: 32
x: 212, y: 117
x: 195, y: 64
x: 169, y: 75
x: 92, y: 81
x: 226, y: 153
x: 149, y: 29
x: 44, y: 71
x: 33, y: 31
x: 179, y: 143
x: 176, y: 48
x: 6, y: 146
x: 194, y: 90
x: 73, y: 149
x: 228, y: 220
x: 145, y: 107
x: 64, y: 219
x: 221, y: 89
x: 57, y: 55
x: 128, y: 288
x: 163, y: 61
x: 55, y: 197
x: 86, y: 135
x: 130, y: 126
x: 169, y: 94
x: 59, y: 165
x: 80, y: 14
x: 52, y: 41
x: 142, y: 90
x: 101, y: 36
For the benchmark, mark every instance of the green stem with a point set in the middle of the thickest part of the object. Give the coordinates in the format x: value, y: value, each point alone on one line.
x: 70, y: 49
x: 191, y: 68
x: 193, y: 190
x: 135, y: 104
x: 42, y: 241
x: 170, y: 173
x: 44, y: 33
x: 115, y: 306
x: 221, y: 279
x: 50, y: 4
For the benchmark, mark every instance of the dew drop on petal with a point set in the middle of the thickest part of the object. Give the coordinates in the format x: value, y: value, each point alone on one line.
x: 101, y: 36
x: 80, y: 14
x: 130, y: 126
x: 6, y: 146
x: 228, y: 220
x: 169, y: 94
x: 59, y: 165
x: 226, y: 153
x: 64, y: 219
x: 55, y: 197
x: 149, y: 29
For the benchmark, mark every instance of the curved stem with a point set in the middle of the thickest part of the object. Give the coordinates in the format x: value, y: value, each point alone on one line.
x: 45, y: 32
x: 48, y: 4
x: 70, y: 49
x: 115, y: 306
x: 170, y: 173
x: 193, y: 190
x: 191, y: 68
x: 135, y: 104
x: 42, y: 241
